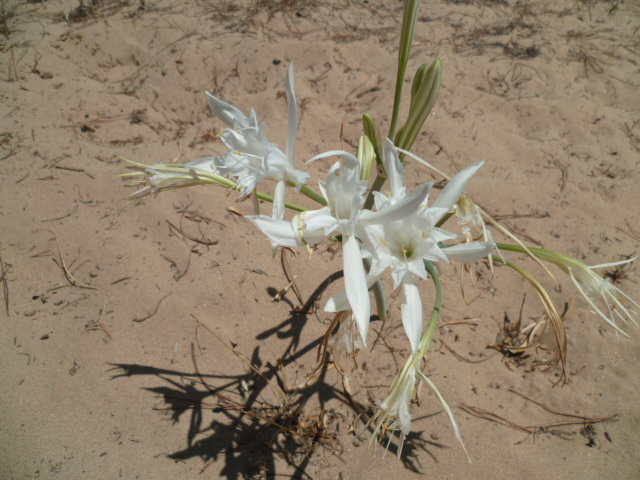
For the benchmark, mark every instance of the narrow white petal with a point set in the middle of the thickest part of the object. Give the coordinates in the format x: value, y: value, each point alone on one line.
x: 451, y: 192
x: 356, y: 284
x: 279, y: 200
x: 293, y: 116
x: 226, y: 112
x: 393, y: 167
x: 469, y: 252
x: 412, y: 311
x: 398, y: 210
x: 279, y: 232
x: 349, y: 158
x: 340, y: 303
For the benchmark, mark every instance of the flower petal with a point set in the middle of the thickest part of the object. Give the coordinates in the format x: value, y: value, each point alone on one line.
x: 227, y: 112
x: 393, y: 167
x: 319, y: 220
x: 356, y: 284
x: 469, y: 252
x: 397, y: 210
x: 293, y: 115
x: 279, y: 200
x: 412, y: 311
x: 350, y: 159
x: 279, y: 232
x: 340, y: 303
x: 451, y: 192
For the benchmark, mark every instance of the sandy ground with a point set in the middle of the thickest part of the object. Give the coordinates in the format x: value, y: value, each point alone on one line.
x: 546, y: 91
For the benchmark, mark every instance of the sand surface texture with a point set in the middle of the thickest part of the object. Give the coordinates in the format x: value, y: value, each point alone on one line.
x: 105, y: 371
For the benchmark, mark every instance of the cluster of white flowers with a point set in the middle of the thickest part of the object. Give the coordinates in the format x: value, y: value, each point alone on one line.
x: 401, y: 233
x: 398, y: 235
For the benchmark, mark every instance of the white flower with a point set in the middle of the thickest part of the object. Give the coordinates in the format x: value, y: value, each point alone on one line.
x: 403, y: 244
x: 252, y: 157
x: 343, y: 215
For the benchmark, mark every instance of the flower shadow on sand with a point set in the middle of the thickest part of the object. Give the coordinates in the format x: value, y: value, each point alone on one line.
x: 254, y: 422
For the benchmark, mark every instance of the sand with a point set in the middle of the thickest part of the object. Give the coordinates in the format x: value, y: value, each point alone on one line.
x: 100, y: 368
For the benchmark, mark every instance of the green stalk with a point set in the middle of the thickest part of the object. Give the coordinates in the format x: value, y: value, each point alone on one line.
x: 313, y: 195
x: 414, y: 361
x: 444, y: 219
x: 406, y: 40
x: 435, y: 313
x: 541, y: 253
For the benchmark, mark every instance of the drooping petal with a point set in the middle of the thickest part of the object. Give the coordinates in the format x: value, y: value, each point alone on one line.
x: 451, y: 192
x: 293, y: 116
x: 469, y: 252
x: 356, y: 284
x: 279, y: 232
x: 411, y: 311
x: 393, y: 167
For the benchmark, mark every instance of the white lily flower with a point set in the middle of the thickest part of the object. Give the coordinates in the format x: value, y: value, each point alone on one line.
x: 252, y: 157
x: 403, y: 244
x: 343, y: 215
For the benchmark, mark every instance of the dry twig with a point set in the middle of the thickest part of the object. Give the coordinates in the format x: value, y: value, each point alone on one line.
x: 72, y: 280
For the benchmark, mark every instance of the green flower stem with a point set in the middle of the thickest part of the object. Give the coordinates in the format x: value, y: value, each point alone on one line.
x: 556, y: 258
x: 406, y: 39
x: 313, y: 196
x: 397, y: 390
x: 291, y: 206
x: 435, y: 313
x: 425, y: 341
x: 414, y: 361
x: 444, y: 219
